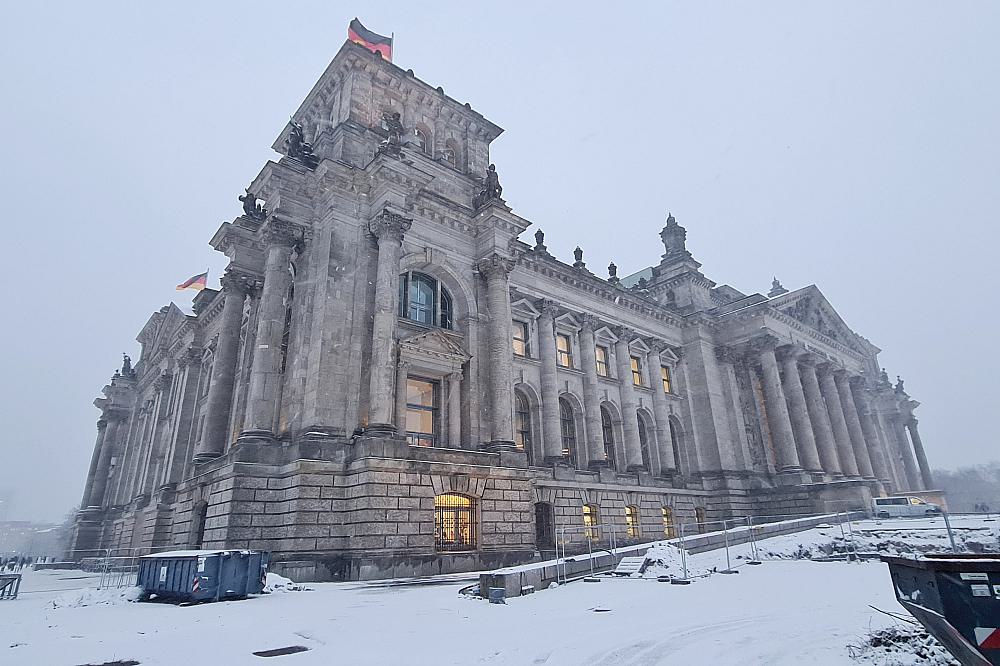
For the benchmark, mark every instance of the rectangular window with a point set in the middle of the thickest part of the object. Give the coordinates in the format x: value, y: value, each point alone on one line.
x: 565, y: 350
x: 422, y: 399
x: 520, y: 338
x: 665, y: 375
x: 636, y: 370
x: 602, y: 362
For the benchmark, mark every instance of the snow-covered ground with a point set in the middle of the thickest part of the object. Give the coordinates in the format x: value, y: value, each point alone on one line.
x: 785, y: 611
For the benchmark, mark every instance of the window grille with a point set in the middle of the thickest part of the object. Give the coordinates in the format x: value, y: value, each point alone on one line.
x: 454, y: 523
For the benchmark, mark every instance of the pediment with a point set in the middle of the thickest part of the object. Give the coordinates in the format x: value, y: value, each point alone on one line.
x: 437, y: 344
x: 810, y: 307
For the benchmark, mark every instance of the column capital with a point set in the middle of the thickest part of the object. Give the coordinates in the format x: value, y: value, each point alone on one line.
x: 788, y: 353
x: 403, y: 365
x: 912, y: 422
x: 102, y: 423
x: 824, y: 368
x: 495, y: 267
x: 239, y: 282
x: 163, y: 381
x: 455, y: 377
x: 588, y: 322
x: 277, y: 231
x: 547, y: 308
x: 624, y: 334
x: 764, y: 342
x: 116, y: 414
x: 388, y: 225
x: 726, y: 354
x: 858, y: 382
x: 656, y: 346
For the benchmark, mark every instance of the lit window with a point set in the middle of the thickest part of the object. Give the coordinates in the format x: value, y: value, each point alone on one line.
x: 632, y: 522
x: 522, y: 423
x: 591, y: 520
x: 520, y: 338
x: 602, y: 362
x: 421, y: 411
x: 454, y: 522
x: 422, y: 299
x: 636, y: 370
x: 665, y: 376
x: 668, y: 523
x: 565, y: 350
x: 609, y: 437
x: 567, y: 428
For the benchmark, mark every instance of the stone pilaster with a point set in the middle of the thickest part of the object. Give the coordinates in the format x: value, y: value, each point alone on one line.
x: 218, y: 410
x: 102, y: 425
x: 918, y: 449
x: 591, y: 402
x: 777, y: 410
x: 551, y: 433
x: 264, y: 394
x: 853, y: 425
x: 630, y: 422
x: 455, y: 410
x: 495, y: 269
x: 799, y: 412
x: 660, y: 410
x: 402, y: 371
x: 845, y: 450
x: 826, y: 442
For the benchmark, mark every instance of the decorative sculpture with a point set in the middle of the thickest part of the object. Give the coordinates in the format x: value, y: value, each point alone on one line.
x: 393, y: 126
x: 884, y: 378
x: 899, y: 385
x: 127, y: 370
x: 540, y: 241
x: 251, y: 208
x: 613, y: 273
x: 578, y: 256
x: 298, y: 148
x: 776, y: 289
x: 491, y: 189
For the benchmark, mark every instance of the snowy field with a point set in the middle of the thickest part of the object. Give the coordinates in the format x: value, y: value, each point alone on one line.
x: 785, y: 611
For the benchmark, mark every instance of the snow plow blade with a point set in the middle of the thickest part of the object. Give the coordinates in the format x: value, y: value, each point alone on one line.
x: 957, y: 600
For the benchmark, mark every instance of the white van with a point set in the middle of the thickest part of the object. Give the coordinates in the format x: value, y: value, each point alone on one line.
x: 903, y: 507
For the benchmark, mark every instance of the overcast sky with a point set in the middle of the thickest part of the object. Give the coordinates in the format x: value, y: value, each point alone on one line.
x: 854, y: 145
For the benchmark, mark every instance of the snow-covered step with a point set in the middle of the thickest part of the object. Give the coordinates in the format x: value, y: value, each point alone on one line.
x: 630, y: 565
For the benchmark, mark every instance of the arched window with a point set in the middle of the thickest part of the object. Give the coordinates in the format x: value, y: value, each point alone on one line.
x: 644, y: 442
x: 609, y: 437
x: 632, y: 528
x: 522, y: 424
x: 450, y: 152
x: 422, y: 299
x: 567, y: 427
x: 454, y: 522
x: 423, y: 142
x: 699, y: 517
x: 668, y: 523
x: 591, y: 520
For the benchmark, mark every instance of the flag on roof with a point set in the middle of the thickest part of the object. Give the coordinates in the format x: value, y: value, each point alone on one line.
x: 372, y: 41
x: 198, y: 282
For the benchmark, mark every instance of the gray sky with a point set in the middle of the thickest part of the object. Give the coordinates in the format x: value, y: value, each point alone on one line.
x: 851, y: 145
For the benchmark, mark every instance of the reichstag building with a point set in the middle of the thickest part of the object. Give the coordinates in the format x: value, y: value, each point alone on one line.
x: 396, y: 377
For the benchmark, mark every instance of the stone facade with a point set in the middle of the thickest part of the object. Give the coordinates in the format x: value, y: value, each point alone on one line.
x: 384, y: 343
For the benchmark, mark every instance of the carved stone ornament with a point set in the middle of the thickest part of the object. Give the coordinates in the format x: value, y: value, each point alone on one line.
x: 128, y: 372
x: 578, y: 258
x: 588, y: 321
x: 540, y: 242
x: 298, y: 148
x: 613, y: 273
x: 776, y: 289
x: 495, y: 267
x: 239, y: 282
x: 389, y: 225
x: 624, y: 333
x: 251, y: 208
x: 282, y: 232
x: 674, y: 238
x: 393, y: 127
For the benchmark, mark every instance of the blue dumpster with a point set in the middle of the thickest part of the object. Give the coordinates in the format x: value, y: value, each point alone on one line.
x: 203, y: 575
x: 957, y: 599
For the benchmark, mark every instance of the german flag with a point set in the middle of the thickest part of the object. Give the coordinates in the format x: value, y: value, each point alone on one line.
x: 374, y: 42
x: 198, y: 282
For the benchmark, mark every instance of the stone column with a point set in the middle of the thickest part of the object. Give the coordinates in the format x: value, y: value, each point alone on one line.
x: 845, y: 450
x: 853, y: 425
x: 591, y: 402
x: 660, y: 410
x: 402, y: 370
x: 102, y: 424
x: 115, y: 419
x: 264, y: 391
x: 630, y: 416
x: 918, y: 448
x: 903, y: 446
x: 455, y: 410
x: 798, y: 412
x: 218, y: 409
x: 826, y: 443
x: 777, y: 412
x: 495, y: 269
x: 880, y: 466
x: 551, y: 433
